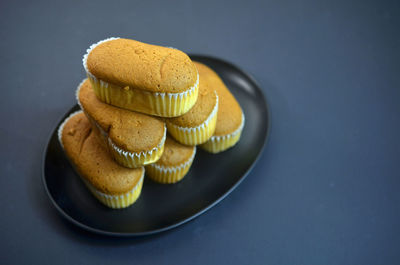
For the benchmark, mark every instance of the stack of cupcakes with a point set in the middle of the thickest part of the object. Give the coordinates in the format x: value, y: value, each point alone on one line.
x: 134, y: 93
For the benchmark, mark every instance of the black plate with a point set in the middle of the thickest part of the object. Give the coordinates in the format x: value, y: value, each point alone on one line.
x: 162, y: 207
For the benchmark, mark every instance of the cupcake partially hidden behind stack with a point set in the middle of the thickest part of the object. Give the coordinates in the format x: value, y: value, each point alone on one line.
x: 173, y: 164
x: 230, y: 117
x: 134, y: 94
x: 198, y: 124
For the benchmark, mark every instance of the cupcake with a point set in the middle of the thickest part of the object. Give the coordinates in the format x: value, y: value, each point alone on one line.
x: 173, y: 164
x: 198, y: 124
x: 133, y: 139
x: 113, y: 185
x: 230, y: 117
x: 146, y: 78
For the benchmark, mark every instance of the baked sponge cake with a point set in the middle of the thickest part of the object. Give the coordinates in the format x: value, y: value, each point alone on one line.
x: 198, y: 124
x: 113, y: 185
x: 146, y: 78
x: 174, y: 164
x: 230, y: 117
x: 133, y: 139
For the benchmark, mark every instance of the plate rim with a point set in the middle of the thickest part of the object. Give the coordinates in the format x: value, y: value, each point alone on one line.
x: 185, y: 220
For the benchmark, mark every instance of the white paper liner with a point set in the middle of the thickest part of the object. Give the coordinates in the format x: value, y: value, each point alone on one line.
x: 61, y: 128
x: 156, y: 94
x: 201, y: 126
x: 121, y: 151
x: 172, y: 169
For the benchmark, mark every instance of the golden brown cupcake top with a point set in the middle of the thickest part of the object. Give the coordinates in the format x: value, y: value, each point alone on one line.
x: 153, y: 68
x: 93, y: 161
x: 229, y: 117
x: 202, y: 109
x: 131, y: 131
x: 175, y: 153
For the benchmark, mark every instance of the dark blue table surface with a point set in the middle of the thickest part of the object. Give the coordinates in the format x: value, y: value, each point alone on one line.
x: 326, y: 189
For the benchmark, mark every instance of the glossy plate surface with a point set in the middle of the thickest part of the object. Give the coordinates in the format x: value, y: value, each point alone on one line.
x: 162, y: 207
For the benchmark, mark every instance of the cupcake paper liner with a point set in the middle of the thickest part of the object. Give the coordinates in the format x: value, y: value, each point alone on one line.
x: 137, y: 159
x: 153, y: 103
x: 195, y: 135
x: 169, y: 175
x: 113, y: 201
x: 121, y: 156
x: 221, y: 143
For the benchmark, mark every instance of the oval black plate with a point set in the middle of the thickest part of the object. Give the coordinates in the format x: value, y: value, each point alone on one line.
x: 162, y: 207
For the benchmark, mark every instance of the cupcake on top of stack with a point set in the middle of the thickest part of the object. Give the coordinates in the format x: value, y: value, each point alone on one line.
x: 127, y: 82
x: 142, y: 77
